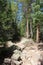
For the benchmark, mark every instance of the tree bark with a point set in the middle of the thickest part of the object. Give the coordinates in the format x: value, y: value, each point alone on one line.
x: 27, y: 29
x: 31, y: 32
x: 37, y: 34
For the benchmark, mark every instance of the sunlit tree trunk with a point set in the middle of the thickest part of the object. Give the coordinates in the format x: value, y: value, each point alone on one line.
x: 37, y: 34
x: 27, y: 29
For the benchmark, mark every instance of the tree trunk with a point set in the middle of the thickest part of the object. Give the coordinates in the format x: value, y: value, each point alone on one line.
x: 37, y: 34
x: 27, y: 29
x: 31, y: 32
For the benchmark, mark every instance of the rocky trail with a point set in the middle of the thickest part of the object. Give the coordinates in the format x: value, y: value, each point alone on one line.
x: 27, y: 52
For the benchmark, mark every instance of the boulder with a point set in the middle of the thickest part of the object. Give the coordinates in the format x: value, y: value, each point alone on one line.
x: 20, y: 45
x: 9, y: 44
x: 16, y: 55
x: 13, y: 62
x: 16, y: 58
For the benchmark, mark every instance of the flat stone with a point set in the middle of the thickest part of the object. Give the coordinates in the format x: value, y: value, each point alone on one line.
x: 7, y: 60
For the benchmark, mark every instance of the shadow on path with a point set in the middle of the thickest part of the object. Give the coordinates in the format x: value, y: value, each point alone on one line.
x: 6, y: 53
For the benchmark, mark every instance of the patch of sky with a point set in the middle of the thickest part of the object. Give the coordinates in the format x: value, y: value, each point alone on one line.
x: 41, y: 9
x: 19, y: 13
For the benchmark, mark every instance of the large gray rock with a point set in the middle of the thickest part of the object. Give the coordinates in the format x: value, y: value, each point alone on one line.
x: 20, y: 45
x: 16, y: 55
x: 16, y: 58
x: 13, y: 62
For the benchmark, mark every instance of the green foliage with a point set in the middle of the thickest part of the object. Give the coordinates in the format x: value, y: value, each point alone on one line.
x: 23, y: 27
x: 35, y: 7
x: 8, y: 25
x: 37, y: 16
x: 38, y: 1
x: 9, y: 28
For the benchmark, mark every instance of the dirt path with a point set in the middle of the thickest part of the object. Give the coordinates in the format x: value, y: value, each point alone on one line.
x: 32, y: 53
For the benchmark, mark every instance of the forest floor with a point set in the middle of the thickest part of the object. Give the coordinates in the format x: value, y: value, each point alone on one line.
x: 32, y: 53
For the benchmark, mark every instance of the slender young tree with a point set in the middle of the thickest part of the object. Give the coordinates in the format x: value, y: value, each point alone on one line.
x: 26, y: 10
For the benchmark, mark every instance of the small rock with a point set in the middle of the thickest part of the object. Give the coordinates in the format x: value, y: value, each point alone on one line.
x: 20, y: 45
x: 7, y: 60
